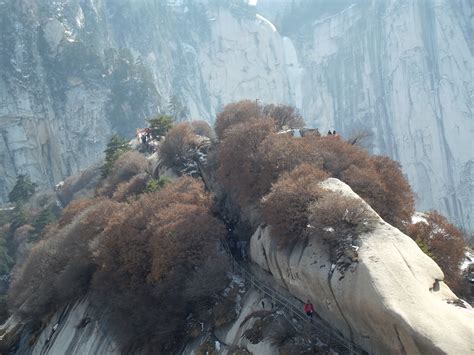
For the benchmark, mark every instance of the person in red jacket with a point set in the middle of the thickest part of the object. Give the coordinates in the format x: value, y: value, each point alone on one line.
x: 309, y: 309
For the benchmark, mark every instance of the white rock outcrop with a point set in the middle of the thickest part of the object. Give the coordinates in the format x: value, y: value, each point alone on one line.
x: 388, y: 303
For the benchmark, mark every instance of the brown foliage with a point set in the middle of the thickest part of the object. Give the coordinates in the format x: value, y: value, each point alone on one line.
x: 335, y: 216
x: 279, y: 153
x: 160, y: 249
x: 378, y: 180
x: 127, y: 166
x: 285, y: 208
x: 338, y: 155
x: 202, y: 128
x: 149, y: 252
x: 251, y: 157
x: 73, y: 209
x: 399, y: 203
x: 444, y: 243
x: 284, y: 116
x: 184, y: 232
x: 368, y: 185
x: 185, y: 190
x: 235, y: 113
x: 237, y: 157
x: 133, y: 187
x: 59, y: 266
x: 178, y: 143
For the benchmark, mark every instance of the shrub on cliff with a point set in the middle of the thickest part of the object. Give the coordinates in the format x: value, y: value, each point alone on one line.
x: 235, y: 113
x: 284, y: 116
x: 237, y: 157
x: 59, y: 267
x: 398, y: 204
x: 335, y: 217
x: 263, y: 156
x: 132, y: 188
x: 80, y: 185
x: 285, y: 208
x: 280, y: 153
x: 128, y: 165
x: 202, y: 128
x: 131, y: 257
x: 443, y: 242
x: 378, y: 180
x: 150, y: 254
x: 177, y: 146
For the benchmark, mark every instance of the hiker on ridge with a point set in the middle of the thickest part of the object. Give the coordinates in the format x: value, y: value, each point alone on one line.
x: 309, y: 309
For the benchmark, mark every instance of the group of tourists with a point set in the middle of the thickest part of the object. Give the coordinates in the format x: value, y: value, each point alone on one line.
x: 145, y: 137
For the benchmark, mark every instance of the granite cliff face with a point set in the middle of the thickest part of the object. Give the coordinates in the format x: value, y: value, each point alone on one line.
x: 73, y: 72
x: 402, y: 70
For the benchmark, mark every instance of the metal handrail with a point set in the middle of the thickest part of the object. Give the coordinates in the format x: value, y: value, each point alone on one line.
x: 321, y: 328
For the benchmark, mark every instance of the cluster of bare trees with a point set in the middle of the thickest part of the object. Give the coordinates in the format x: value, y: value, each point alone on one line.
x: 151, y: 255
x: 253, y: 154
x: 146, y: 260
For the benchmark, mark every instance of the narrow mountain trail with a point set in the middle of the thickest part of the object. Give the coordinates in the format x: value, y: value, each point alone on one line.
x: 320, y: 330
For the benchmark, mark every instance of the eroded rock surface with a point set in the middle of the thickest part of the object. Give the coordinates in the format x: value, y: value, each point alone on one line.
x: 388, y: 302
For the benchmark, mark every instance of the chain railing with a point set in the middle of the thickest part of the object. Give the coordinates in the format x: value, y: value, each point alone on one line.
x: 320, y: 329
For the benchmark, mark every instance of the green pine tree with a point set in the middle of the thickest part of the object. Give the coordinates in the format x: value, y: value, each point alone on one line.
x: 155, y: 185
x: 115, y: 148
x: 160, y: 125
x: 23, y: 189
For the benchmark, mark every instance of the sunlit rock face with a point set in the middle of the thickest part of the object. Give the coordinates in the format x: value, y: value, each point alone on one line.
x: 74, y: 72
x: 388, y: 302
x: 403, y: 70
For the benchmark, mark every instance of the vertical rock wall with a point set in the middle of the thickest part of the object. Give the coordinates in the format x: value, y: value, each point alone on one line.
x: 402, y: 70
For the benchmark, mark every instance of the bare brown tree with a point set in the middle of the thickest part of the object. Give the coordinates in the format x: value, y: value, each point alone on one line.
x: 236, y: 113
x: 284, y: 116
x: 285, y: 208
x: 179, y: 143
x: 443, y: 242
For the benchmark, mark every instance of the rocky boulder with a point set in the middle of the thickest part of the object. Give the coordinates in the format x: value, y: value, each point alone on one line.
x: 392, y: 300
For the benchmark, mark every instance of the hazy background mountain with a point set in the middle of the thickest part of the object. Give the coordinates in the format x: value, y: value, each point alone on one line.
x: 73, y: 72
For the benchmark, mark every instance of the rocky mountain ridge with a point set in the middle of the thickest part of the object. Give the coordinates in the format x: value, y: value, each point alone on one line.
x: 74, y: 72
x: 408, y: 311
